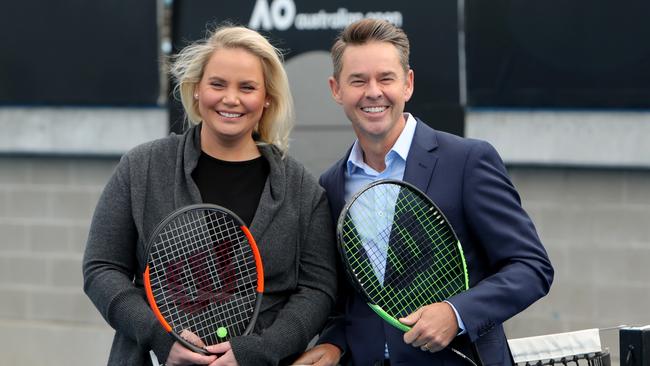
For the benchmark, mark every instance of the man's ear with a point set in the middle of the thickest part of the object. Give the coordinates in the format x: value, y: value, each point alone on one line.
x: 410, y: 85
x: 334, y: 87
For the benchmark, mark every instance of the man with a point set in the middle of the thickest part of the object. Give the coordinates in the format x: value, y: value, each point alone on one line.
x: 508, y: 266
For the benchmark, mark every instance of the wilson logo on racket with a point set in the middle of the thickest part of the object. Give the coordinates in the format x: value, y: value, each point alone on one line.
x: 204, y: 290
x: 204, y: 275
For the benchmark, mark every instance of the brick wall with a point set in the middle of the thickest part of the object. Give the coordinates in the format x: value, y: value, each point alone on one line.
x: 595, y: 225
x: 45, y: 210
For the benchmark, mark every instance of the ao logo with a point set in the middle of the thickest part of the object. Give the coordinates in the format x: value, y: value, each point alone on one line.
x: 279, y: 15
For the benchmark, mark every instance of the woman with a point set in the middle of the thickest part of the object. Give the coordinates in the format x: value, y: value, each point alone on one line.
x: 236, y: 95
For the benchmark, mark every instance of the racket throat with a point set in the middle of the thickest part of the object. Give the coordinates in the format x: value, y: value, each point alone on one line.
x: 392, y: 321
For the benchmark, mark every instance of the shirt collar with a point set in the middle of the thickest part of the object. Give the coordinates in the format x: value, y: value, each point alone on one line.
x: 400, y: 148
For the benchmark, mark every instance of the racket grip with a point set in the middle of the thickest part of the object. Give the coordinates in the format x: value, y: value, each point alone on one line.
x: 190, y: 345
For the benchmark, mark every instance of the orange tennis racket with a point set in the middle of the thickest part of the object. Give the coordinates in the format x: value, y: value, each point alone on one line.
x: 204, y: 274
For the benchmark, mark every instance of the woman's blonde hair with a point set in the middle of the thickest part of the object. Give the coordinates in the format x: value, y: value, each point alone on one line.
x: 188, y: 66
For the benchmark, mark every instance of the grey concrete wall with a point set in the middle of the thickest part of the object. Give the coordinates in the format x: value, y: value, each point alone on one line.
x: 45, y: 210
x: 575, y: 138
x: 103, y: 131
x: 595, y: 224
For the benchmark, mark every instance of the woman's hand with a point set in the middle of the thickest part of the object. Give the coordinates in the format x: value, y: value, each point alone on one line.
x: 226, y: 356
x: 180, y: 355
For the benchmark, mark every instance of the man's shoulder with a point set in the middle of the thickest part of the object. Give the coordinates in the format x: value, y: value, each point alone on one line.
x: 329, y: 175
x: 446, y: 139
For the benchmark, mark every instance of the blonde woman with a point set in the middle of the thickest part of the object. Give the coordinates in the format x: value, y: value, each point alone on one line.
x: 236, y: 97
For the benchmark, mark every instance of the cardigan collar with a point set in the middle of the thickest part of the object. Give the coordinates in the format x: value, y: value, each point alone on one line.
x: 274, y: 190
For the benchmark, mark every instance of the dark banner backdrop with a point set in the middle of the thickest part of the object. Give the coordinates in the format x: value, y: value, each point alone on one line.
x: 78, y: 52
x: 558, y: 53
x: 299, y: 26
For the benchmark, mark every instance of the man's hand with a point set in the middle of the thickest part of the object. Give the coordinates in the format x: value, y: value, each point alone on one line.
x: 325, y: 354
x: 433, y: 327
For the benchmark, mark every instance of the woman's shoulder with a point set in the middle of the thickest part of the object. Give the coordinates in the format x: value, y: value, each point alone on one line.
x: 298, y: 174
x: 294, y: 171
x: 167, y: 143
x: 163, y: 149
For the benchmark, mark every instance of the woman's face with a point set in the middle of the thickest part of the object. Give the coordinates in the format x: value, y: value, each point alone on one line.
x: 231, y: 96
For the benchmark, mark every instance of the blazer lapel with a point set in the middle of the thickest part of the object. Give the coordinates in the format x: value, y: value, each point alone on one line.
x: 421, y: 160
x: 337, y: 196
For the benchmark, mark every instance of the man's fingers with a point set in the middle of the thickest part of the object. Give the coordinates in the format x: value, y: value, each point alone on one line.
x: 412, y: 318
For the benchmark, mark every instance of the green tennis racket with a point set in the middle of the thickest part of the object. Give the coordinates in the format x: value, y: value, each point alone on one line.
x: 399, y: 250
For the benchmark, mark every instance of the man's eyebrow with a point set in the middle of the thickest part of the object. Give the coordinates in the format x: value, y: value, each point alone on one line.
x: 387, y: 73
x: 360, y: 75
x: 357, y: 75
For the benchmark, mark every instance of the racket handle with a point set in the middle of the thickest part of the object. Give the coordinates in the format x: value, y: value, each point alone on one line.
x: 189, y: 345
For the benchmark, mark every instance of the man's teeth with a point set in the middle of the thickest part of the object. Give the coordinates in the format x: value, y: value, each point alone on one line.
x: 374, y: 109
x: 230, y: 115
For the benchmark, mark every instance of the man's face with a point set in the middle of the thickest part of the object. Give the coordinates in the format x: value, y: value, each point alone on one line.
x: 373, y: 88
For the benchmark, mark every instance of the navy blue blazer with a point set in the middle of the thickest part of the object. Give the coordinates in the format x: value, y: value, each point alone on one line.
x: 508, y: 265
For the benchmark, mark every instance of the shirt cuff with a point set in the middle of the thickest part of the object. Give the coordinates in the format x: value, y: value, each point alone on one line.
x: 461, y: 325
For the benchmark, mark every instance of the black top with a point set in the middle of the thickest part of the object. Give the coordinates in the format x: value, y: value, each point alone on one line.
x: 235, y: 185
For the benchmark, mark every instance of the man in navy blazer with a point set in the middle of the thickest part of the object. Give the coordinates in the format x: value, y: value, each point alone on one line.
x: 508, y: 266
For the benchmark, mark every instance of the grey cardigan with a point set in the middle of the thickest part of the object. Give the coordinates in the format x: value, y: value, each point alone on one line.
x: 292, y: 227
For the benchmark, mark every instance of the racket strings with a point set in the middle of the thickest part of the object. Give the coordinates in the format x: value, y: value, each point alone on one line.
x: 421, y: 262
x: 205, y: 275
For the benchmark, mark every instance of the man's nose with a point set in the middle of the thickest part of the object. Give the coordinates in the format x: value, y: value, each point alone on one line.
x: 373, y: 90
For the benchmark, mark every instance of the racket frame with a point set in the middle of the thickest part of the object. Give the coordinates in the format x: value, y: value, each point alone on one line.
x: 147, y: 281
x: 353, y: 278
